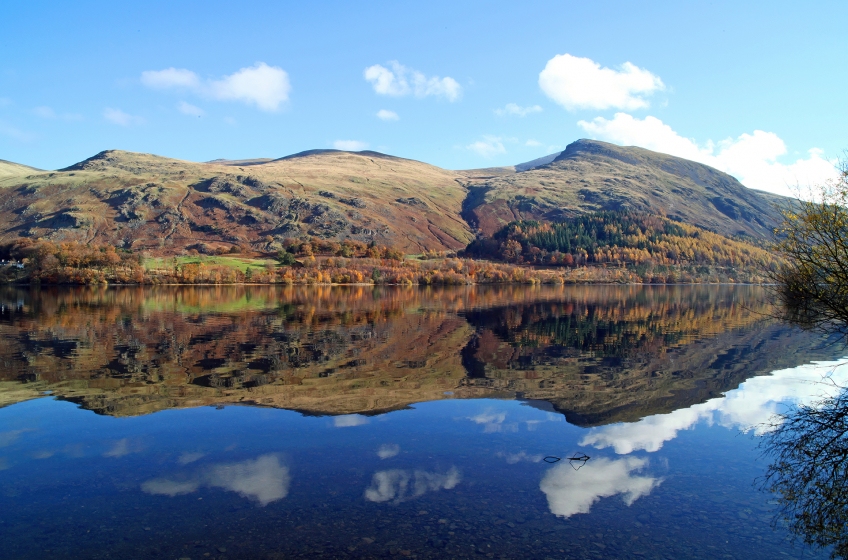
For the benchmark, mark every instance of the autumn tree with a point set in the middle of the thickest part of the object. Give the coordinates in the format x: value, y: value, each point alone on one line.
x: 808, y: 444
x: 812, y: 285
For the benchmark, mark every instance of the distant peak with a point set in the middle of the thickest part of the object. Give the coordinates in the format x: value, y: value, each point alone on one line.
x: 121, y: 159
x: 88, y: 162
x: 329, y: 151
x: 584, y: 145
x: 538, y: 162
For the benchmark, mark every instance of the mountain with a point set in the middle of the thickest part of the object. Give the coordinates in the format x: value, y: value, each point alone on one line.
x: 11, y: 169
x: 158, y: 204
x: 162, y: 205
x: 591, y: 176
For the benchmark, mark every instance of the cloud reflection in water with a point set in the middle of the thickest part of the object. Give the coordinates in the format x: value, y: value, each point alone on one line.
x: 388, y: 450
x: 747, y: 408
x: 570, y: 491
x: 165, y: 487
x: 513, y: 458
x: 121, y: 448
x: 187, y: 458
x: 349, y: 420
x: 398, y: 485
x: 262, y: 479
x: 493, y: 422
x: 9, y: 437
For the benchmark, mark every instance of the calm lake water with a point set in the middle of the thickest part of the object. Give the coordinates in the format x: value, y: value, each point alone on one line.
x: 263, y: 422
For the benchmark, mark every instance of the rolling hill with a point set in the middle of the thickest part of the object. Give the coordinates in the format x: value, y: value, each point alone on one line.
x: 10, y: 169
x: 153, y: 203
x: 163, y: 206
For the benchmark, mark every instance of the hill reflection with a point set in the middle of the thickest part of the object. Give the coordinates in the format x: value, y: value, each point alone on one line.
x: 599, y: 354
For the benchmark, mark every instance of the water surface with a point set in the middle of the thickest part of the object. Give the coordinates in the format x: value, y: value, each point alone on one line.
x: 356, y: 422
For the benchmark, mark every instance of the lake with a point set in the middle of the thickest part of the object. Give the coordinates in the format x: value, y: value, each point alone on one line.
x: 362, y: 422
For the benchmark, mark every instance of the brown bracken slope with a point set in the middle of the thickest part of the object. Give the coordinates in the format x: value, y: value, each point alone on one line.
x: 164, y: 206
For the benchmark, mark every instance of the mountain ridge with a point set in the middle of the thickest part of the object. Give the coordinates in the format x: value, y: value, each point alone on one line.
x: 165, y: 205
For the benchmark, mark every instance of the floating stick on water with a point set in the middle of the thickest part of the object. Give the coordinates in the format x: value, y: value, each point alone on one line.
x: 580, y: 458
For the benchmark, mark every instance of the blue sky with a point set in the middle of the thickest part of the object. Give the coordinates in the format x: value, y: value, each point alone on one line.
x: 749, y: 87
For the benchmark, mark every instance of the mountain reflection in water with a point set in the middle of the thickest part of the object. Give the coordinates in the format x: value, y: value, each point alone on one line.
x: 654, y: 383
x: 598, y: 354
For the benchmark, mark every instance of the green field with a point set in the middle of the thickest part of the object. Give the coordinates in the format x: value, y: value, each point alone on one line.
x: 240, y: 263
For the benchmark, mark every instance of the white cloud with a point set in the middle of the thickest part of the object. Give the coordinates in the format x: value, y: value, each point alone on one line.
x: 116, y: 116
x: 262, y: 479
x: 265, y: 86
x: 517, y: 110
x: 388, y: 450
x: 349, y: 420
x: 752, y: 158
x: 171, y: 78
x: 581, y: 83
x: 262, y: 85
x: 190, y: 110
x: 350, y: 145
x: 386, y: 115
x: 571, y: 491
x: 748, y: 408
x: 533, y: 143
x: 398, y: 80
x: 489, y: 146
x: 399, y: 485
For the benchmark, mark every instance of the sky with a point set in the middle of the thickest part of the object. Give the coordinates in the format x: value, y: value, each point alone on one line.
x: 755, y: 89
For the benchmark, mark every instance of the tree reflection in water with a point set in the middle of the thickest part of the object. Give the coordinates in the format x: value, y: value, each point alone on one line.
x: 809, y: 472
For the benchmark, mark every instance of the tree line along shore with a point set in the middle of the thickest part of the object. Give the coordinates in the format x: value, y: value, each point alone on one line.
x: 616, y: 247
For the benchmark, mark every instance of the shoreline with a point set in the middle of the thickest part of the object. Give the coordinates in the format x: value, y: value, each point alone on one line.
x: 366, y: 284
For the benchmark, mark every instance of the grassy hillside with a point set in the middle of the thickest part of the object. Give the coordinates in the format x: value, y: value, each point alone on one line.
x: 11, y: 169
x: 146, y: 202
x: 162, y: 206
